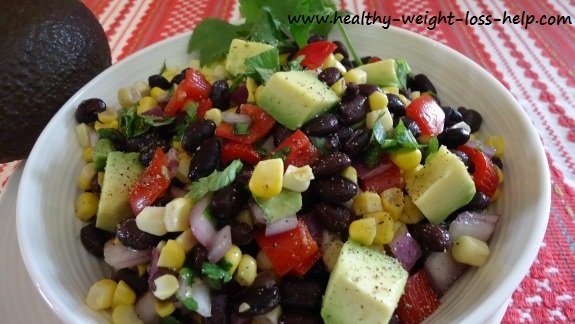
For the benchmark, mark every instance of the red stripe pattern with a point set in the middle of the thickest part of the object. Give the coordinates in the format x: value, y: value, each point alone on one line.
x: 535, y: 64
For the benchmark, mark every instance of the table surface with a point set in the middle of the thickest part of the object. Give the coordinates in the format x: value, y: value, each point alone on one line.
x: 534, y: 62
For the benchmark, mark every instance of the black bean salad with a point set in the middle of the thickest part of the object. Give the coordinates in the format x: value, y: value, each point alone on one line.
x: 292, y: 184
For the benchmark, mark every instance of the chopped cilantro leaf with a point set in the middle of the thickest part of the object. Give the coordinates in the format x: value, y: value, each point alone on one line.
x: 215, y: 181
x: 214, y: 275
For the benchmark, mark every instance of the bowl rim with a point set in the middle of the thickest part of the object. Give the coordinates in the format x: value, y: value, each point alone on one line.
x: 485, y: 307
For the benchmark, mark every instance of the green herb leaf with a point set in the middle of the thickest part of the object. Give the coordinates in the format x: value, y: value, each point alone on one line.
x: 281, y: 153
x: 170, y: 320
x: 215, y: 181
x: 212, y: 38
x: 402, y: 70
x: 404, y: 137
x: 158, y: 120
x: 263, y: 65
x: 241, y: 128
x: 214, y: 275
x: 131, y: 124
x: 432, y: 148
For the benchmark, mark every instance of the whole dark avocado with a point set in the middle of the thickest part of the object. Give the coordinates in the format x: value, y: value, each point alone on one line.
x: 50, y: 48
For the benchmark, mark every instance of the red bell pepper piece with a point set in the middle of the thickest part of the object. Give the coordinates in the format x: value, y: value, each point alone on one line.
x: 427, y: 114
x: 300, y: 150
x: 234, y: 150
x: 389, y: 178
x: 194, y: 87
x: 289, y: 250
x: 485, y: 175
x: 315, y: 53
x: 152, y: 184
x: 419, y: 300
x: 304, y: 267
x: 262, y: 123
x: 203, y: 106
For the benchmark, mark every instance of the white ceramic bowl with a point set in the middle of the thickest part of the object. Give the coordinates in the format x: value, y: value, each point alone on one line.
x: 48, y: 232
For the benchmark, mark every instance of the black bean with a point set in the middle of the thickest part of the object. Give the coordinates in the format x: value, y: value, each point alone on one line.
x: 473, y: 119
x: 139, y: 284
x: 178, y: 77
x: 453, y: 137
x: 367, y: 89
x: 334, y: 189
x: 341, y: 49
x: 411, y: 125
x: 357, y: 142
x: 197, y: 256
x: 344, y: 133
x: 220, y: 94
x: 480, y: 201
x: 330, y: 164
x: 395, y: 105
x: 497, y: 161
x: 256, y: 300
x: 93, y: 239
x: 299, y: 317
x: 321, y: 125
x: 131, y: 236
x: 220, y: 311
x: 196, y: 133
x: 280, y: 133
x: 157, y: 80
x: 334, y: 218
x: 351, y: 91
x: 315, y: 38
x: 436, y: 237
x: 242, y: 233
x: 239, y: 95
x: 331, y: 143
x: 452, y: 116
x: 301, y: 294
x: 205, y: 160
x: 465, y: 159
x: 228, y: 202
x: 147, y: 144
x: 245, y: 174
x: 87, y: 111
x: 420, y: 82
x: 347, y: 63
x: 366, y: 59
x: 329, y: 75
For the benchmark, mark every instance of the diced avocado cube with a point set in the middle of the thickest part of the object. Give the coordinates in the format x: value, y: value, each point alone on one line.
x: 101, y: 149
x: 364, y: 287
x: 286, y: 203
x: 239, y: 51
x: 122, y: 171
x: 295, y: 97
x: 382, y: 73
x: 441, y: 187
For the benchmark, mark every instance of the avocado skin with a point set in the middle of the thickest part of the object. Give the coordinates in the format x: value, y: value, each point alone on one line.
x: 50, y: 48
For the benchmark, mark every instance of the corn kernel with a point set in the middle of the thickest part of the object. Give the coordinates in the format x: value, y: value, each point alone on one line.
x: 339, y: 87
x: 392, y: 201
x: 497, y: 143
x: 377, y: 100
x: 123, y: 295
x: 367, y: 202
x: 251, y: 86
x: 100, y: 295
x: 331, y: 61
x: 382, y: 116
x: 164, y: 308
x: 411, y: 214
x: 392, y: 90
x: 404, y: 99
x: 177, y: 214
x: 108, y: 115
x: 415, y: 94
x: 406, y: 160
x: 245, y: 217
x: 86, y: 206
x: 339, y: 56
x: 470, y: 250
x: 384, y: 227
x: 363, y: 230
x: 159, y: 94
x: 170, y: 73
x: 145, y: 104
x: 142, y: 87
x: 263, y: 261
x: 83, y: 134
x: 258, y: 93
x: 128, y: 96
x: 499, y: 174
x: 350, y: 173
x: 186, y: 240
x: 247, y: 270
x: 297, y: 178
x: 113, y: 124
x: 142, y: 269
x: 409, y: 174
x: 184, y: 161
x: 267, y: 178
x: 125, y: 314
x: 151, y: 220
x: 87, y: 154
x: 86, y: 175
x: 214, y: 115
x: 166, y: 286
x: 357, y: 76
x: 233, y: 256
x: 172, y: 255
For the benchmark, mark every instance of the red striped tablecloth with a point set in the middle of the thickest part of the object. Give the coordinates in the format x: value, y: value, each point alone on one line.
x: 534, y: 63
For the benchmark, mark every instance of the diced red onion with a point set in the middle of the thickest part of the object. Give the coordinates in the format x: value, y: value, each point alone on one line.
x: 119, y: 256
x: 405, y: 248
x: 231, y: 117
x: 220, y: 244
x: 313, y: 226
x: 93, y: 137
x: 257, y: 212
x: 153, y: 266
x: 476, y: 224
x: 282, y: 225
x: 173, y: 162
x: 201, y: 227
x: 201, y: 294
x: 443, y: 270
x: 156, y: 111
x: 486, y: 149
x: 240, y: 95
x: 146, y: 310
x: 365, y: 172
